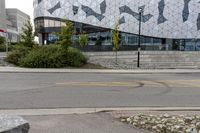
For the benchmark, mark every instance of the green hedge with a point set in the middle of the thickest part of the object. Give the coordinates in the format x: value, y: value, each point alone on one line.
x: 43, y: 57
x: 2, y: 44
x: 75, y: 58
x: 53, y: 56
x: 16, y: 54
x: 2, y: 48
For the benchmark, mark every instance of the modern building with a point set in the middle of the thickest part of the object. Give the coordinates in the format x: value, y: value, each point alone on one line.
x: 166, y: 24
x: 11, y: 22
x: 15, y: 21
x: 2, y: 17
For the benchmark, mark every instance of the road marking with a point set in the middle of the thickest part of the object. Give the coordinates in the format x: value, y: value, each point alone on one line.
x: 68, y: 111
x: 185, y: 83
x: 137, y: 83
x: 101, y: 84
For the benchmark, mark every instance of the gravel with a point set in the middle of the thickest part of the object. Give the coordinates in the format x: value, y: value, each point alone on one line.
x: 165, y: 123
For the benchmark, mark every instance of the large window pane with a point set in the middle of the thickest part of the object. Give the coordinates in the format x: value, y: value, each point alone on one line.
x: 57, y: 23
x: 51, y: 23
x: 46, y: 23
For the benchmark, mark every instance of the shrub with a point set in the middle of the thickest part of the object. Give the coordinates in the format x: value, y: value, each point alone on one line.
x: 83, y: 40
x: 16, y: 54
x: 75, y: 58
x: 2, y: 48
x: 2, y: 44
x: 53, y: 56
x: 43, y: 57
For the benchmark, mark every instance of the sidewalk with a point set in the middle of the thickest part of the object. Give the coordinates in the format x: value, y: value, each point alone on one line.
x: 6, y: 69
x: 91, y: 120
x: 86, y: 123
x: 103, y: 122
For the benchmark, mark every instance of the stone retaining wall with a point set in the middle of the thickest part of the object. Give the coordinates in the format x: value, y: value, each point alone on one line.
x: 149, y: 59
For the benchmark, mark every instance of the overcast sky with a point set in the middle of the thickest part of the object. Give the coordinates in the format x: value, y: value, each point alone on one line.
x: 23, y: 5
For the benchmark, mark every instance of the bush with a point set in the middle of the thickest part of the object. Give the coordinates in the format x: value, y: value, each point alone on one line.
x: 83, y: 40
x: 2, y: 48
x: 43, y: 57
x: 17, y: 53
x: 53, y: 57
x: 75, y: 58
x: 2, y: 44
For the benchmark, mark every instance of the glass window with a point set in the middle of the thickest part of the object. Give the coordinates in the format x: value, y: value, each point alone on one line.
x: 41, y: 23
x: 57, y: 24
x: 157, y: 41
x: 147, y: 40
x: 52, y: 38
x: 46, y: 23
x: 132, y: 39
x: 51, y: 23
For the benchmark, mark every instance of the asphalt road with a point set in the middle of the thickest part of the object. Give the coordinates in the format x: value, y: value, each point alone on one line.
x: 76, y: 90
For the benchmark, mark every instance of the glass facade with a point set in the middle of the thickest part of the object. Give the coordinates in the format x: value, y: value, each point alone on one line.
x: 101, y: 36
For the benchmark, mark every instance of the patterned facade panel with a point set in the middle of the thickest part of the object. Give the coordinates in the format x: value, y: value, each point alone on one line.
x: 161, y: 18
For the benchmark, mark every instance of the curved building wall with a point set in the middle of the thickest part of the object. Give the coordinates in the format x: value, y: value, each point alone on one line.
x: 177, y: 19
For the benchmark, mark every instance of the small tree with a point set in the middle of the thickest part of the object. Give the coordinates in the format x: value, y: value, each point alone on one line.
x: 65, y: 35
x: 83, y: 40
x: 115, y: 39
x: 2, y: 40
x: 2, y: 43
x: 27, y: 36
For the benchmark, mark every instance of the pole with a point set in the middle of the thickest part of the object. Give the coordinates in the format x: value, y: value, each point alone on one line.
x: 6, y: 42
x: 139, y: 40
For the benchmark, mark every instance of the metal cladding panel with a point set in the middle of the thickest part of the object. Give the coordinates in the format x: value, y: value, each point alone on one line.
x: 161, y: 18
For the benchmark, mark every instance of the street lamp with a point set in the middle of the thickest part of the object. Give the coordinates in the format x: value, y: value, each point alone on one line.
x: 139, y: 40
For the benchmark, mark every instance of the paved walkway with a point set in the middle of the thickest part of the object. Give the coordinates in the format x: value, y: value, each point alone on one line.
x: 86, y: 123
x: 104, y: 122
x: 6, y: 69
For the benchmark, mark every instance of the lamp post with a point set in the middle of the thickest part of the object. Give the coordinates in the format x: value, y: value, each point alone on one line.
x: 139, y: 37
x: 6, y: 42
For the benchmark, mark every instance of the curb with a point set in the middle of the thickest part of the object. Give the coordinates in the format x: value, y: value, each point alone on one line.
x: 67, y: 111
x: 100, y: 71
